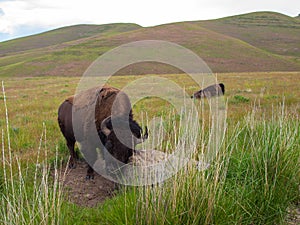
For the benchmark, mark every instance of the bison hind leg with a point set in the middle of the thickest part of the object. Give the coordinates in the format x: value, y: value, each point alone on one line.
x: 73, y: 154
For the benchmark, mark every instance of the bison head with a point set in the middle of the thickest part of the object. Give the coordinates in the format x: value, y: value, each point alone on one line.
x: 198, y: 94
x: 118, y: 139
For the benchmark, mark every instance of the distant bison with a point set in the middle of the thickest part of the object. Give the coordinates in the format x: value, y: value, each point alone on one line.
x: 210, y: 91
x: 96, y: 108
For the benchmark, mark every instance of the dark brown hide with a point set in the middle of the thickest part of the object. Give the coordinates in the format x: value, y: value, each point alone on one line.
x: 210, y: 91
x: 101, y: 100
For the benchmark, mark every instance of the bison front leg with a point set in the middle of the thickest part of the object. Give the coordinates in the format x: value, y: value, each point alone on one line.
x: 90, y: 155
x: 90, y: 173
x: 113, y: 166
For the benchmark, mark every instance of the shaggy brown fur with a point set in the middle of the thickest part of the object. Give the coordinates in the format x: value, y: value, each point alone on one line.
x: 86, y: 119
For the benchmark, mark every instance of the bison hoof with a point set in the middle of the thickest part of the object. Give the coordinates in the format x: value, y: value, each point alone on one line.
x: 89, y: 177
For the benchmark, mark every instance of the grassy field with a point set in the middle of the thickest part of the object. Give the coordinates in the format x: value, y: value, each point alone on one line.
x: 254, y: 179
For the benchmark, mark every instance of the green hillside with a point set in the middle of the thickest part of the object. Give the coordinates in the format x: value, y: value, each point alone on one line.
x: 270, y: 31
x: 221, y: 52
x: 62, y: 35
x: 245, y: 43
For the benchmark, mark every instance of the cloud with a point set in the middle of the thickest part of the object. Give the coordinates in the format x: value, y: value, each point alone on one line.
x: 49, y: 14
x: 1, y: 12
x: 40, y: 13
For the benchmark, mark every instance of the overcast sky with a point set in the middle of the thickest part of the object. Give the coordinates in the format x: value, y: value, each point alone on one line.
x: 24, y: 17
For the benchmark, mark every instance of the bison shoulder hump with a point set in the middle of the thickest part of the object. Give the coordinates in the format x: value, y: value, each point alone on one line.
x: 70, y: 99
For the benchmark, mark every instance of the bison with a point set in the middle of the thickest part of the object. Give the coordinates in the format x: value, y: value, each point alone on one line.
x: 210, y: 91
x: 99, y: 108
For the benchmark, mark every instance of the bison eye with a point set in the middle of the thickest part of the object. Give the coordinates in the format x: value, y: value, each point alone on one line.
x: 103, y: 137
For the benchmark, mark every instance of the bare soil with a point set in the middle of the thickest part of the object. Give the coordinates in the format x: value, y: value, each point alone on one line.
x: 293, y: 217
x: 87, y: 193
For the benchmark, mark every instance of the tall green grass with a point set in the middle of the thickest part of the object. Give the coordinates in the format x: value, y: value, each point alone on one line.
x: 29, y: 194
x: 253, y: 180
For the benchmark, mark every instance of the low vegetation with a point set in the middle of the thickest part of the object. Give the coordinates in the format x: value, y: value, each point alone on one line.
x: 253, y: 180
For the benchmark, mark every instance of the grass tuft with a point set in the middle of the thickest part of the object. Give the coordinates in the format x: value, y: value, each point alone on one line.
x: 253, y: 180
x: 29, y: 195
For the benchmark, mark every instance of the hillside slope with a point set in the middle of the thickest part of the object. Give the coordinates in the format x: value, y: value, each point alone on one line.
x: 62, y: 35
x: 273, y: 32
x: 234, y: 48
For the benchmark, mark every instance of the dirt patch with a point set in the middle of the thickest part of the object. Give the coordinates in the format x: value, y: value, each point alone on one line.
x: 294, y: 214
x: 87, y: 193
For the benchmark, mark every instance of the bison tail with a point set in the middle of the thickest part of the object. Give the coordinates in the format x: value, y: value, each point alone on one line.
x: 222, y: 87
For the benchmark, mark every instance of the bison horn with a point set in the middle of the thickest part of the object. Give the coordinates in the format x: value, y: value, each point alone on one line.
x: 145, y: 136
x: 104, y: 127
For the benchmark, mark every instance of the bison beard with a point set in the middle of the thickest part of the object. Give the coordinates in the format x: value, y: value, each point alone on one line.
x: 84, y: 120
x: 119, y: 142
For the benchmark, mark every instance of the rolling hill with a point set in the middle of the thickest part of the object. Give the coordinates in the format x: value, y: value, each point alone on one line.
x: 62, y: 35
x: 262, y: 41
x: 272, y: 32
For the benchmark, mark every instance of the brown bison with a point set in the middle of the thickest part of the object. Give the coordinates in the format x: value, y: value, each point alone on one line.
x: 210, y: 91
x: 99, y: 113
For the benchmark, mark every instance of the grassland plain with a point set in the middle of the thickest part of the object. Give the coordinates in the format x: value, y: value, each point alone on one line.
x: 253, y: 182
x: 34, y: 101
